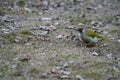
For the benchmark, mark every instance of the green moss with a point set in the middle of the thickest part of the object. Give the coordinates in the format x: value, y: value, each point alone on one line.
x: 21, y: 3
x: 108, y: 19
x: 111, y: 71
x: 16, y: 73
x: 34, y: 71
x: 26, y: 32
x: 117, y: 24
x: 116, y: 32
x: 8, y: 37
x: 1, y: 11
x: 93, y: 76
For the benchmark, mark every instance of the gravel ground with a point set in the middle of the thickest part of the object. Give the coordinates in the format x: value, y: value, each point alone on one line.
x: 37, y: 44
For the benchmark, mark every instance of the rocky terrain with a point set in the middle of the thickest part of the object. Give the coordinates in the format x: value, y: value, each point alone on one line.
x: 37, y: 42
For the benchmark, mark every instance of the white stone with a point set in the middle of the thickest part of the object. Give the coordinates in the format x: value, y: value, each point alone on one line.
x: 45, y: 3
x: 65, y: 72
x: 64, y: 77
x: 79, y: 77
x: 118, y: 40
x: 46, y: 19
x: 95, y: 53
x: 59, y: 36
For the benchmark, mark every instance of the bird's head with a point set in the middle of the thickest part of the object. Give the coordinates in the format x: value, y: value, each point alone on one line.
x: 81, y: 30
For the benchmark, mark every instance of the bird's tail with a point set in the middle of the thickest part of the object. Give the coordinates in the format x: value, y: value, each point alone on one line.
x: 100, y: 38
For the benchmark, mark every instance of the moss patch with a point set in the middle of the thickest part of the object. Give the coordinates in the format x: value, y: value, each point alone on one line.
x: 21, y: 3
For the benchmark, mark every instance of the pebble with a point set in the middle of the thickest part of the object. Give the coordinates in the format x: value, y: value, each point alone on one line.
x: 28, y: 44
x: 96, y: 23
x: 25, y: 58
x: 104, y: 45
x: 118, y: 41
x: 1, y: 38
x: 119, y: 63
x: 13, y: 66
x: 44, y: 75
x: 29, y: 10
x: 6, y: 31
x: 46, y: 19
x: 79, y: 77
x: 109, y: 55
x: 43, y: 33
x: 65, y: 65
x: 81, y: 24
x: 45, y: 3
x: 52, y: 27
x: 54, y: 71
x: 56, y: 24
x: 111, y: 37
x: 64, y: 77
x: 95, y: 53
x: 47, y: 28
x: 65, y: 72
x: 7, y: 18
x: 59, y: 37
x: 105, y: 32
x: 17, y: 39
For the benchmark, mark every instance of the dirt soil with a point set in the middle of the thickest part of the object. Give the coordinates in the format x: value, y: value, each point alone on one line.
x: 37, y: 44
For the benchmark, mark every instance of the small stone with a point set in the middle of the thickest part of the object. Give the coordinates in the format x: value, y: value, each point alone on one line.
x: 54, y: 71
x: 45, y: 3
x: 7, y: 18
x: 109, y: 55
x: 65, y: 65
x: 65, y: 72
x: 1, y: 46
x: 56, y: 24
x: 104, y: 45
x: 100, y: 6
x: 1, y: 38
x: 111, y: 37
x: 43, y: 33
x: 17, y: 39
x: 95, y: 53
x: 105, y: 32
x: 96, y: 23
x: 81, y: 24
x: 118, y: 41
x: 58, y: 67
x: 27, y: 9
x: 119, y: 63
x: 6, y: 31
x: 47, y: 28
x: 44, y: 75
x: 33, y: 28
x: 64, y: 77
x: 59, y: 37
x: 46, y: 19
x: 78, y: 77
x: 62, y: 4
x: 28, y: 44
x: 25, y: 58
x: 13, y: 66
x: 52, y: 27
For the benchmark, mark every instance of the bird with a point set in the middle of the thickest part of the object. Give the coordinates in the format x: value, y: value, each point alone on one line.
x: 89, y: 36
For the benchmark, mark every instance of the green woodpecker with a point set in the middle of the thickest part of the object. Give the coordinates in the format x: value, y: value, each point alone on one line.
x: 89, y: 37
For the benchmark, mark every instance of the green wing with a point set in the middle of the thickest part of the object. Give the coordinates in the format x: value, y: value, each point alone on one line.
x: 93, y: 34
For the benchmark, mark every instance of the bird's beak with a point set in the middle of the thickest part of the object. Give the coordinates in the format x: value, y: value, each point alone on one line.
x: 76, y: 29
